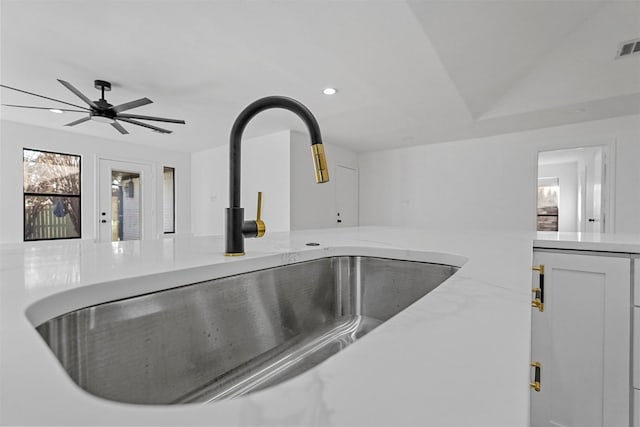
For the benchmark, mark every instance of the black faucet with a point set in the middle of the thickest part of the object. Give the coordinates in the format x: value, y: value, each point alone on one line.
x: 236, y: 227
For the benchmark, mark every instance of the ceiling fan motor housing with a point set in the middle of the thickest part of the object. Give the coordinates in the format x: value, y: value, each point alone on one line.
x: 104, y: 113
x: 103, y: 105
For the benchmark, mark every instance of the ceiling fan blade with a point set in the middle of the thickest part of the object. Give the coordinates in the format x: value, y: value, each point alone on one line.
x: 119, y: 127
x: 45, y: 108
x: 157, y: 119
x: 77, y: 122
x: 132, y: 104
x: 78, y: 94
x: 133, y: 122
x: 45, y: 97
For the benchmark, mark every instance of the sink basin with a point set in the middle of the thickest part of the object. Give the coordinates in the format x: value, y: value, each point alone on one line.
x: 230, y: 336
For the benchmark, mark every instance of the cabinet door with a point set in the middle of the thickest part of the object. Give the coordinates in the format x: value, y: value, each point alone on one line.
x: 636, y: 412
x: 636, y: 273
x: 636, y: 347
x: 582, y: 341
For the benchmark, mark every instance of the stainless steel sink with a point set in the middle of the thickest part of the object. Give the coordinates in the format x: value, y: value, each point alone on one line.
x: 231, y: 336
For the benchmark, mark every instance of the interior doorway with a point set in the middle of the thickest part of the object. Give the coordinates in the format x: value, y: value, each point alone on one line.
x: 346, y: 196
x: 125, y: 207
x: 573, y: 190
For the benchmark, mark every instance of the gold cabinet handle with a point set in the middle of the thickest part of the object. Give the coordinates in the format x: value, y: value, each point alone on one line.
x: 538, y: 301
x: 536, y: 384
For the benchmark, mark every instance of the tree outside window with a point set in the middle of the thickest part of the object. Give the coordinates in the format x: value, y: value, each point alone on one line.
x: 51, y: 195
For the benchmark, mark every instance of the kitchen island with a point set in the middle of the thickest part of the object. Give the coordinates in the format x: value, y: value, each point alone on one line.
x: 457, y: 357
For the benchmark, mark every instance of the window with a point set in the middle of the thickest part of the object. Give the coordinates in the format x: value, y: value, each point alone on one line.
x: 168, y: 201
x: 548, y: 197
x: 51, y: 185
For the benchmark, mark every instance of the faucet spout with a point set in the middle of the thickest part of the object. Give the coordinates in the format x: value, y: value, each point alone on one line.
x: 236, y: 227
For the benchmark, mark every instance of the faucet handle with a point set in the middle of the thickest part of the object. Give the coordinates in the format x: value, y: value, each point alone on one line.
x: 262, y: 228
x: 259, y: 213
x: 255, y: 228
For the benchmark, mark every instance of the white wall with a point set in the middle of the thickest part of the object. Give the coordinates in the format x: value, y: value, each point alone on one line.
x: 489, y: 183
x: 209, y: 190
x: 314, y: 205
x: 627, y: 182
x: 16, y: 136
x: 567, y: 174
x: 265, y: 167
x: 280, y: 165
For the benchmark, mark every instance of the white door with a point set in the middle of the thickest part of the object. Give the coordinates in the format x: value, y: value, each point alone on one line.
x: 346, y: 182
x: 593, y: 192
x: 125, y: 208
x: 581, y: 340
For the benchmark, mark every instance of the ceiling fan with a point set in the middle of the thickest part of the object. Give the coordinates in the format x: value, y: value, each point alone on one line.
x: 100, y: 110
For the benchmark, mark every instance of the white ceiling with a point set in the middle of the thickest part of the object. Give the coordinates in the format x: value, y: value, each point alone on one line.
x: 408, y: 72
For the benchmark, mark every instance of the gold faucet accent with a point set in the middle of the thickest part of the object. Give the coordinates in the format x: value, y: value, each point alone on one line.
x: 262, y: 227
x: 320, y: 163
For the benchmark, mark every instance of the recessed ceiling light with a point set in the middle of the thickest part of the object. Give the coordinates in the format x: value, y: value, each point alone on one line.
x: 55, y: 110
x: 329, y: 91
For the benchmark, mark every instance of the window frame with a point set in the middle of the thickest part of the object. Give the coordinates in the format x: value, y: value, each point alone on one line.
x: 26, y: 194
x: 173, y: 191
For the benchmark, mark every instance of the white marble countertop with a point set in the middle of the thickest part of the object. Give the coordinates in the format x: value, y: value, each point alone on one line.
x: 602, y: 242
x: 457, y: 357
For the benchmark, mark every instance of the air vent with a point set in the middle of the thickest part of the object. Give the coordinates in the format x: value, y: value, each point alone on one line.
x: 628, y: 48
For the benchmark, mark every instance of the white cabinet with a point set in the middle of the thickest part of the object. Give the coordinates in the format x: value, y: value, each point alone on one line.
x: 636, y: 344
x: 637, y: 281
x: 636, y: 417
x: 636, y: 347
x: 582, y: 340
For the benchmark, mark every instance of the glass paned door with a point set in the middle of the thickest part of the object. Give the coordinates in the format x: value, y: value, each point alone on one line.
x: 125, y: 211
x: 126, y: 206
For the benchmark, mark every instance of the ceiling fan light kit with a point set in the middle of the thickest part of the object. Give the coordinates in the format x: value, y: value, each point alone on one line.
x: 102, y: 111
x: 101, y: 119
